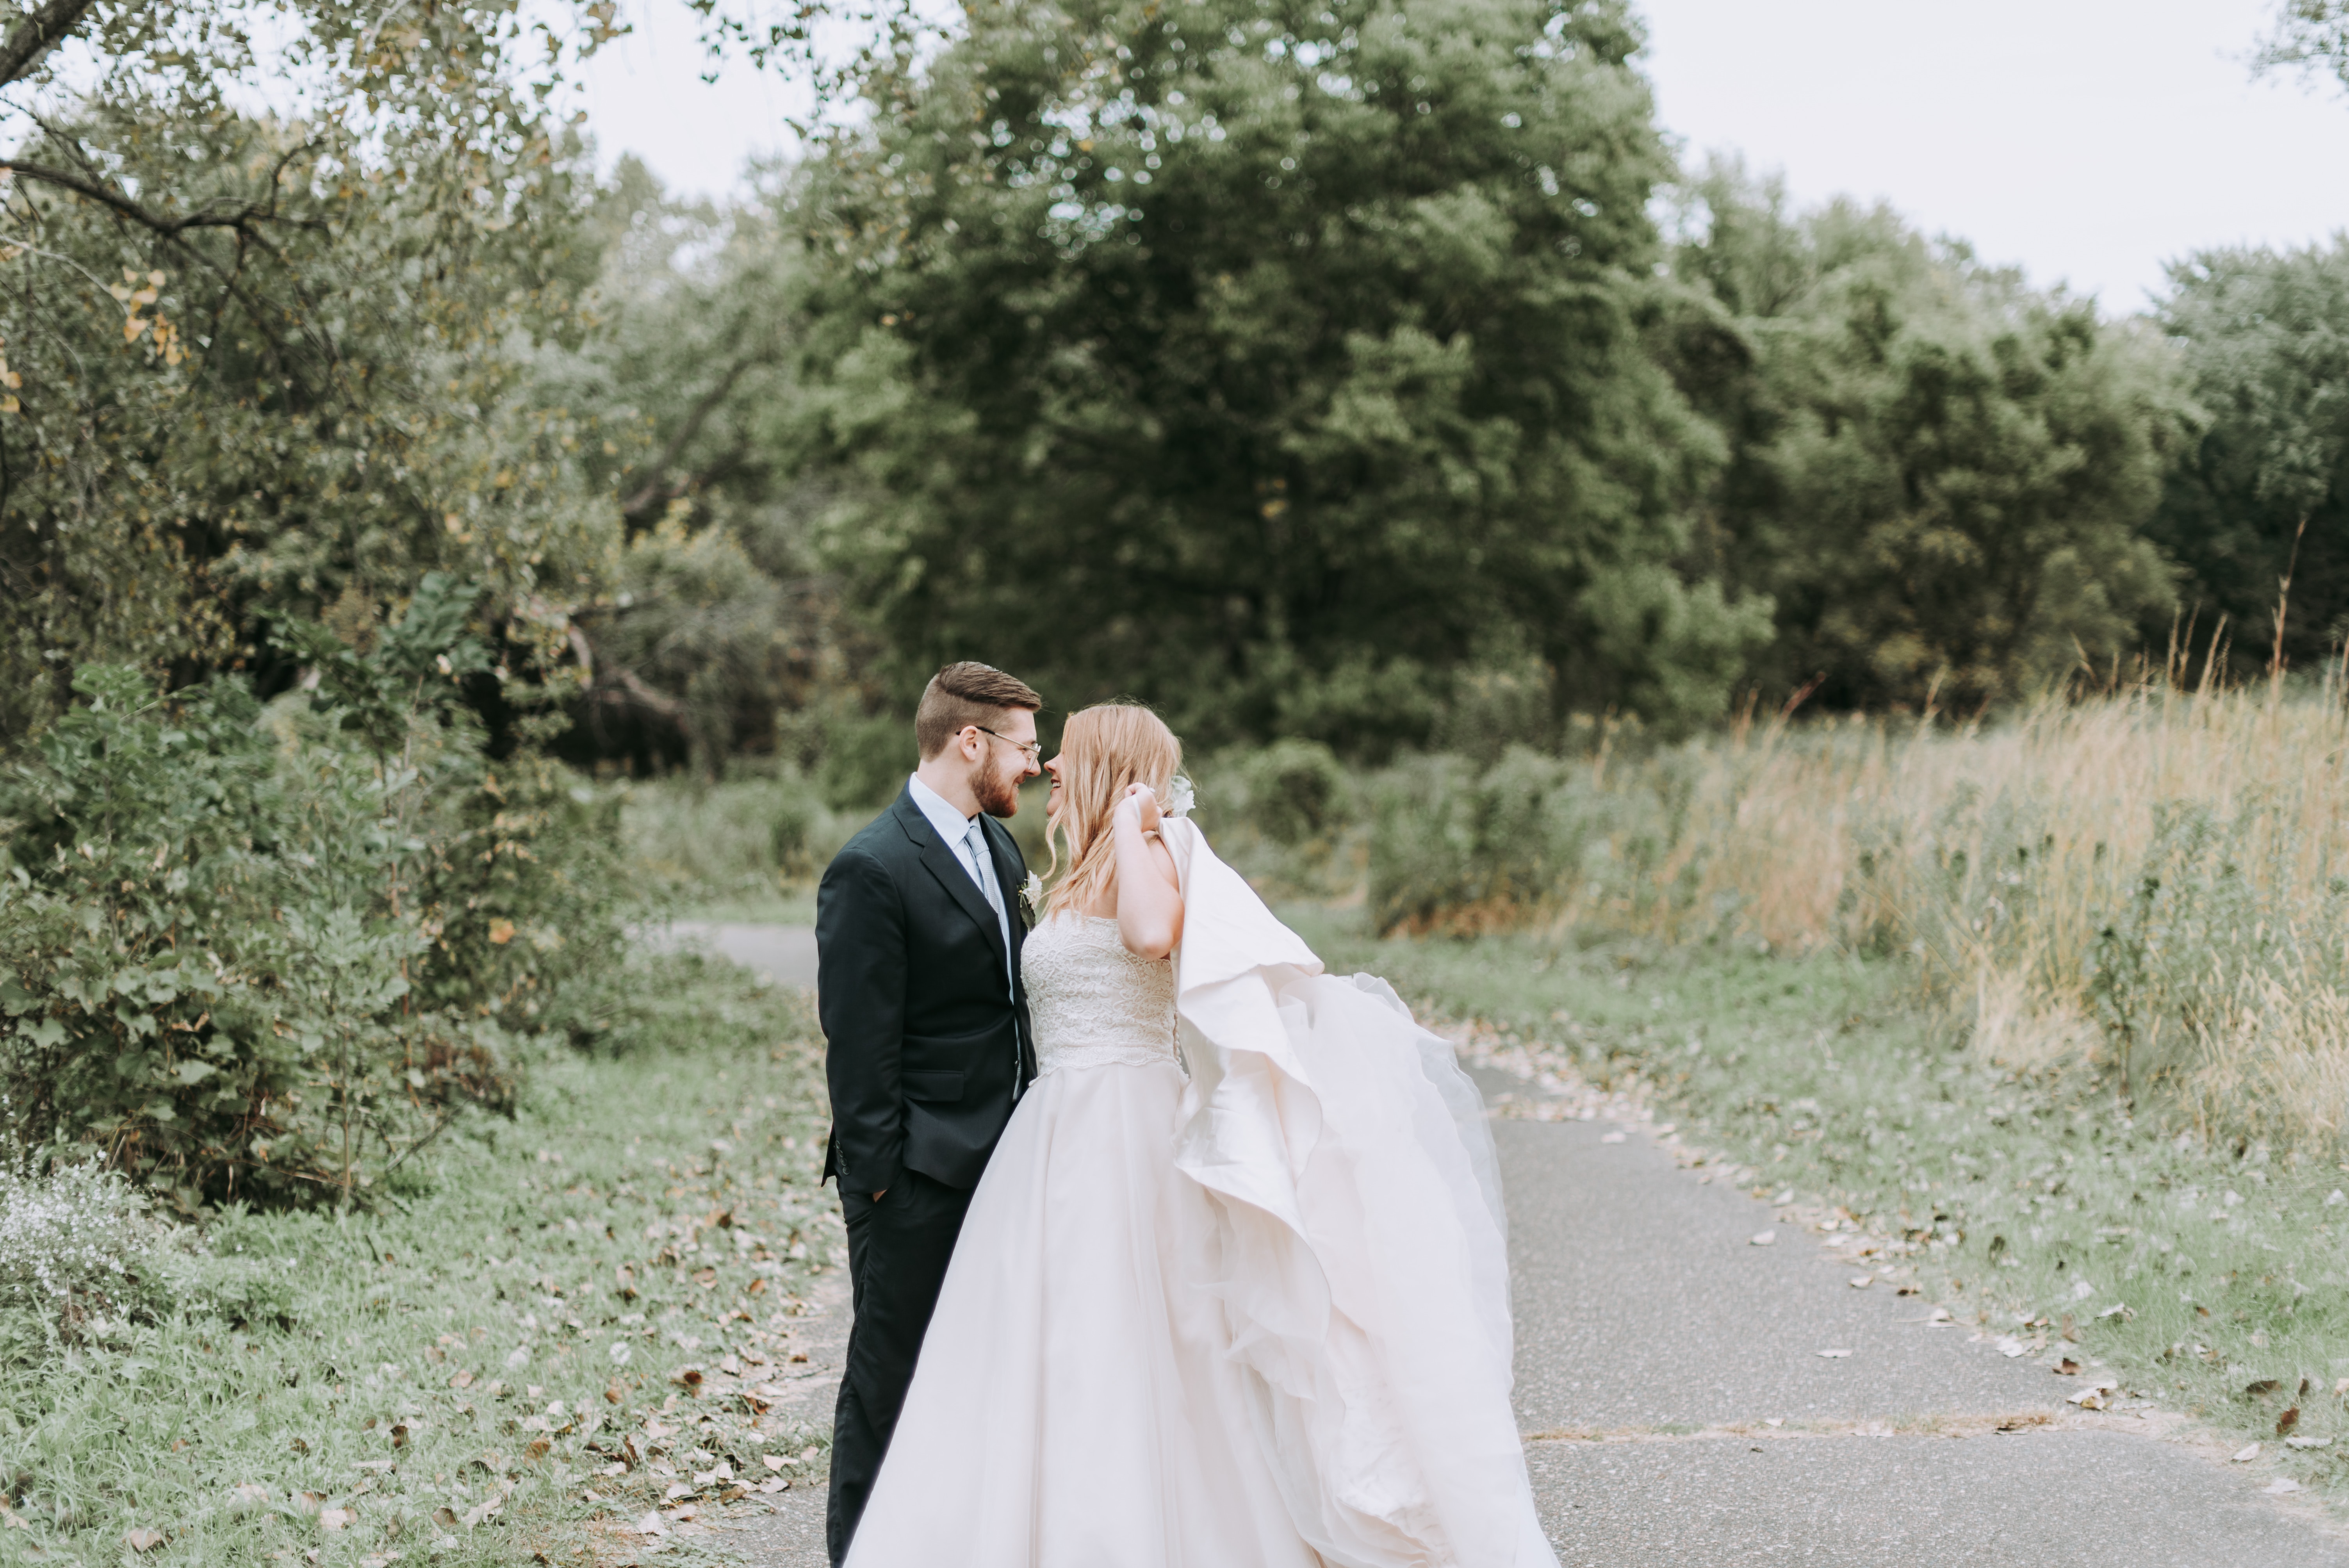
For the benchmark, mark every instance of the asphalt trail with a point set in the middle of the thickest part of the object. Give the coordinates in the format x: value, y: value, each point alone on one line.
x: 1678, y: 1410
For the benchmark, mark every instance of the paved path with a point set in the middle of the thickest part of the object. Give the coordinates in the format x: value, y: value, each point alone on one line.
x: 785, y: 951
x: 1678, y: 1410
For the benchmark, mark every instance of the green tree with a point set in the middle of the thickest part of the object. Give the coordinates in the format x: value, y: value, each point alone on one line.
x: 719, y: 617
x: 2264, y: 490
x: 1939, y: 477
x: 277, y: 360
x: 1273, y: 361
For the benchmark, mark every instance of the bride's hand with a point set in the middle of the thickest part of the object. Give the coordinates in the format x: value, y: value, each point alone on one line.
x: 1144, y: 803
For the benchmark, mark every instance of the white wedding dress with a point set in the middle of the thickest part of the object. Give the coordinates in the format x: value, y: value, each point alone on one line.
x: 1250, y: 1316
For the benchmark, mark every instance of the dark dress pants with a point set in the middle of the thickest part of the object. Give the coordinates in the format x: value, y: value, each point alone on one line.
x: 897, y: 1254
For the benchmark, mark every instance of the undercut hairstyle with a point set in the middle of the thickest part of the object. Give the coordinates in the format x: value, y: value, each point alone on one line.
x: 967, y: 694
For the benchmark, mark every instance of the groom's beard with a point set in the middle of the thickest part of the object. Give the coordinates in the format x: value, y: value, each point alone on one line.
x: 998, y: 796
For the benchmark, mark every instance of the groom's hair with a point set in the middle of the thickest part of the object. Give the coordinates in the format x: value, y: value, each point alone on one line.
x: 966, y: 693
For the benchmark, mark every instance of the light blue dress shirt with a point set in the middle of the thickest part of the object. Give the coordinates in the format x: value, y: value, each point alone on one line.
x: 963, y: 836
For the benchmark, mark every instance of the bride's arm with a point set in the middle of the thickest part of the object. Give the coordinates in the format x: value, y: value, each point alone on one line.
x: 1149, y: 898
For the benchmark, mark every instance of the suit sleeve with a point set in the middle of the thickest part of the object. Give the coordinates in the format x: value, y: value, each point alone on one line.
x: 860, y: 939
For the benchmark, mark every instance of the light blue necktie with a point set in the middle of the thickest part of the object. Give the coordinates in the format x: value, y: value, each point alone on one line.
x: 975, y: 843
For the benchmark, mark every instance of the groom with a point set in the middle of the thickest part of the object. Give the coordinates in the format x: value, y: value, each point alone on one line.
x: 926, y: 1043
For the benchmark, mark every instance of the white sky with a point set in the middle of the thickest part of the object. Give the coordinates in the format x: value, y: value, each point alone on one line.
x: 2090, y: 141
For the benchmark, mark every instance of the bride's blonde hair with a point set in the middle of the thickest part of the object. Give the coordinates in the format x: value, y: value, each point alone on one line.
x: 1104, y: 748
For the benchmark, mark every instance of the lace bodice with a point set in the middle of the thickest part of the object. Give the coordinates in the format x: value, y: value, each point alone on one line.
x: 1092, y: 1001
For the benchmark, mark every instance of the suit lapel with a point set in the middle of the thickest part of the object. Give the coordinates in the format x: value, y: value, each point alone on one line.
x: 948, y: 867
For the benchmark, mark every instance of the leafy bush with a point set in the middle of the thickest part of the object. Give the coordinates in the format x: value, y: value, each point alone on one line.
x: 1292, y: 791
x: 749, y: 834
x: 265, y: 955
x: 1531, y: 837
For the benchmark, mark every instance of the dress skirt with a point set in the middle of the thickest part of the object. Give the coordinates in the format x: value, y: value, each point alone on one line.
x: 1072, y: 1408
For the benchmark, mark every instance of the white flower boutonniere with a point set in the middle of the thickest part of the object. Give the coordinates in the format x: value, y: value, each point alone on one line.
x: 1180, y: 797
x: 1031, y: 899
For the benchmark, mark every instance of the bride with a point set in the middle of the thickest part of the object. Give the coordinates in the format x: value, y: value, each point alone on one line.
x: 1231, y: 1293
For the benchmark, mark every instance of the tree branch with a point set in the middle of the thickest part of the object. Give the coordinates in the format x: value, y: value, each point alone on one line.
x: 37, y: 35
x: 206, y: 217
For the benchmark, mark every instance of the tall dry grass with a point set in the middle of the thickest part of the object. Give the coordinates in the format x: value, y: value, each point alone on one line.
x: 2148, y: 884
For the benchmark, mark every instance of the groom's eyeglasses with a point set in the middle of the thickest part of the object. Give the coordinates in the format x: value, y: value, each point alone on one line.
x: 1032, y: 750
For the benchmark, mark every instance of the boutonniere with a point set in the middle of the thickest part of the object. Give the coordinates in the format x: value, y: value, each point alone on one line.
x: 1031, y: 899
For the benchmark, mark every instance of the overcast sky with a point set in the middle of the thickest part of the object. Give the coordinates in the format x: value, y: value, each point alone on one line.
x: 2089, y: 140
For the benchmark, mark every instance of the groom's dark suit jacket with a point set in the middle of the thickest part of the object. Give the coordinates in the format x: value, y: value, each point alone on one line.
x: 925, y: 1043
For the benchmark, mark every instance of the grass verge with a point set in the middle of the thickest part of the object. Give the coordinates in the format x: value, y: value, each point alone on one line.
x: 2208, y: 1278
x: 569, y: 1321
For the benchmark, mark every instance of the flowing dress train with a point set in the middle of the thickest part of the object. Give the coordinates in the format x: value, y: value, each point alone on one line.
x: 1250, y: 1316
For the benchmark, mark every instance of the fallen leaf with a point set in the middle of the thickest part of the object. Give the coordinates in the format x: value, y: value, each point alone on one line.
x: 142, y: 1540
x: 2261, y: 1389
x: 1765, y: 1239
x: 247, y: 1496
x: 1833, y: 1354
x: 2288, y: 1420
x: 1610, y: 1137
x: 1861, y: 1281
x: 774, y: 1484
x: 772, y: 1461
x: 2067, y: 1367
x: 688, y: 1377
x: 651, y: 1524
x: 334, y: 1518
x: 2282, y: 1486
x: 2247, y: 1454
x: 462, y: 1380
x: 2308, y: 1442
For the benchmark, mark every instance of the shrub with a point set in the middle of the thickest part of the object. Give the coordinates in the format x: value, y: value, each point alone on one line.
x: 266, y: 956
x: 750, y: 834
x: 1292, y: 791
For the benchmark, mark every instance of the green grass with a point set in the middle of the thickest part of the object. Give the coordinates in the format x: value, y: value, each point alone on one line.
x: 2031, y: 1205
x: 483, y: 1345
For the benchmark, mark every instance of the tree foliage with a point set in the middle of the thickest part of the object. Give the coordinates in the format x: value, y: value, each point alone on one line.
x: 267, y: 359
x: 2310, y: 35
x: 1274, y: 361
x: 1940, y: 478
x: 264, y: 955
x: 2264, y: 490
